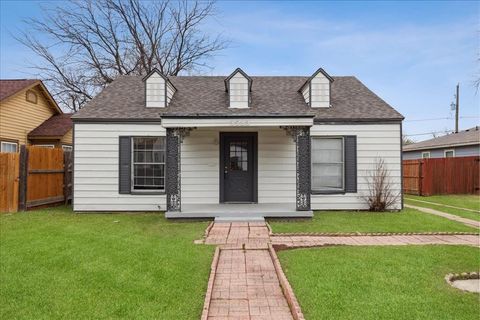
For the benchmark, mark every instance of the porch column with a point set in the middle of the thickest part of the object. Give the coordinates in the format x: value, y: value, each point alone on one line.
x: 173, y: 174
x: 301, y: 136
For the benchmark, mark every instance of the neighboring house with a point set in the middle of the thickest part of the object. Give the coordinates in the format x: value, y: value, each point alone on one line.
x: 207, y: 146
x: 30, y: 116
x: 462, y: 144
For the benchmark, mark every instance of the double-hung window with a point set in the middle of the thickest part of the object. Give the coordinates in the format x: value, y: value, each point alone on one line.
x: 148, y: 159
x: 328, y: 164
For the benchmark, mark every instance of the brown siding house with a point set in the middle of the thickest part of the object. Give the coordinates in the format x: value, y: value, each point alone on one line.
x: 30, y: 116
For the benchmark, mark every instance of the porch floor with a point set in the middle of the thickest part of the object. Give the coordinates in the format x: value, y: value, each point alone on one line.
x: 231, y: 210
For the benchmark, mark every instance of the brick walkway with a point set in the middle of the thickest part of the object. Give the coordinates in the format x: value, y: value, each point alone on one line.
x: 246, y: 287
x: 465, y: 221
x: 245, y: 283
x: 313, y: 241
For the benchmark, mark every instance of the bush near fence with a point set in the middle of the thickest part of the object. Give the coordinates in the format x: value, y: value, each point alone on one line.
x: 426, y: 177
x: 34, y: 177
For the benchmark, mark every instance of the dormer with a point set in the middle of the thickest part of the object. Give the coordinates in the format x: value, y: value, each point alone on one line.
x: 239, y: 87
x: 159, y: 90
x: 316, y: 90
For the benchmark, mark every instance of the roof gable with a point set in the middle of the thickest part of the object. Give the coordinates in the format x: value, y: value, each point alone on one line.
x: 9, y: 88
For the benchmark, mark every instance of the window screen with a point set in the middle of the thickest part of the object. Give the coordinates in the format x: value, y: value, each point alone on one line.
x: 327, y: 164
x: 148, y: 163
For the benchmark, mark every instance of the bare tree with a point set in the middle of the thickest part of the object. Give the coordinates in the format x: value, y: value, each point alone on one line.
x: 381, y: 195
x: 86, y: 44
x: 406, y: 140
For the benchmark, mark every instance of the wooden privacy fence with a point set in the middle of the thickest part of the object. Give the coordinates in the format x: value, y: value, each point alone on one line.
x: 43, y: 176
x: 428, y: 177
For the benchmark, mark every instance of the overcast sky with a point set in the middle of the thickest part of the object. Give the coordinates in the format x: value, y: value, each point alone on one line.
x: 412, y: 54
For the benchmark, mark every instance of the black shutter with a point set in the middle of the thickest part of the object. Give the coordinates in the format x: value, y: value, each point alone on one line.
x: 350, y: 163
x: 125, y: 165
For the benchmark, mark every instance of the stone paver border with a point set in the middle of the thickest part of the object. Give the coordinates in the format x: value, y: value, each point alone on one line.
x: 211, y: 280
x: 286, y: 287
x: 452, y: 277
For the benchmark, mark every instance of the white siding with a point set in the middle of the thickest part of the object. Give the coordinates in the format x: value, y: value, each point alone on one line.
x: 96, y: 168
x: 200, y: 166
x: 373, y: 142
x: 155, y: 91
x: 238, y: 91
x: 320, y: 91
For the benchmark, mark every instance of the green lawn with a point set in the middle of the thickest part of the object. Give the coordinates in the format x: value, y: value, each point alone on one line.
x: 452, y: 200
x: 409, y: 220
x: 468, y: 201
x: 394, y: 282
x: 57, y: 264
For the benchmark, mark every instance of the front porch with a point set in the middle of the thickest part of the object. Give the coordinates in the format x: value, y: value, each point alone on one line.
x: 254, y: 168
x: 231, y: 210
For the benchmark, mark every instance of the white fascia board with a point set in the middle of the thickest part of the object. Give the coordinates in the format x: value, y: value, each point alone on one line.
x: 234, y: 122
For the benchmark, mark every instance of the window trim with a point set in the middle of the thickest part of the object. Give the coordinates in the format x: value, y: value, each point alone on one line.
x: 132, y: 169
x: 50, y: 146
x: 3, y: 142
x: 449, y: 150
x: 339, y: 191
x: 34, y: 94
x: 426, y: 152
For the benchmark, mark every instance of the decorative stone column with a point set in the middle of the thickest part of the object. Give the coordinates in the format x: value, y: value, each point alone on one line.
x: 175, y: 138
x: 301, y: 136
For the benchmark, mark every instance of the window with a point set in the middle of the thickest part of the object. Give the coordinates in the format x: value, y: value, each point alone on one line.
x: 238, y: 156
x: 449, y: 153
x: 148, y: 163
x: 50, y: 146
x: 426, y: 155
x: 327, y: 164
x: 8, y: 146
x: 31, y: 96
x: 66, y: 147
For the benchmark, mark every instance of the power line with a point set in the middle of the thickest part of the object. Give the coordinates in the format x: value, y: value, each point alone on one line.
x: 446, y: 118
x: 423, y: 134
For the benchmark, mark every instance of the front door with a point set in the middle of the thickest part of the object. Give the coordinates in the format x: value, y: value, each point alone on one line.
x: 238, y: 167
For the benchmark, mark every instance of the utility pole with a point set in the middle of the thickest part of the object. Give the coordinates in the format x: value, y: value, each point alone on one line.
x: 457, y: 98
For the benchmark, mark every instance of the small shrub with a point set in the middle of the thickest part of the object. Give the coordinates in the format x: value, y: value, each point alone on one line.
x: 381, y: 196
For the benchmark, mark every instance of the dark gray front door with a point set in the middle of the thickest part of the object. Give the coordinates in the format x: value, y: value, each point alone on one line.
x: 238, y: 167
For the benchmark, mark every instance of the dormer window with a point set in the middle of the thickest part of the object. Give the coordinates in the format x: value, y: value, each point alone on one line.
x: 159, y: 90
x: 239, y: 87
x: 316, y: 90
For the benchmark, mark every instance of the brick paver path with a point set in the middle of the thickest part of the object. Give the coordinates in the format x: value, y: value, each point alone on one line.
x: 246, y: 285
x: 465, y: 221
x: 394, y: 240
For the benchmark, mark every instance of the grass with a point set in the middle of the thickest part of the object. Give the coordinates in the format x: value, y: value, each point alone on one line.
x: 395, y: 282
x: 408, y: 220
x: 57, y: 264
x: 469, y: 201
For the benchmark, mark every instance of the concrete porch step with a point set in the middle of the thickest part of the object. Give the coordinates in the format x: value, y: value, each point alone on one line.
x: 239, y: 219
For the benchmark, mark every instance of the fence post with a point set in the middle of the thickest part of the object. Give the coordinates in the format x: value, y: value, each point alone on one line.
x: 67, y: 171
x: 23, y: 181
x: 420, y: 178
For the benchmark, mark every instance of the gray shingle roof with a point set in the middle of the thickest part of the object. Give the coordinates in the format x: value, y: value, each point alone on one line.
x: 205, y: 95
x: 467, y: 137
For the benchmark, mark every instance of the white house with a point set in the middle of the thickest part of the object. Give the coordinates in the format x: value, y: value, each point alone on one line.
x: 209, y: 146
